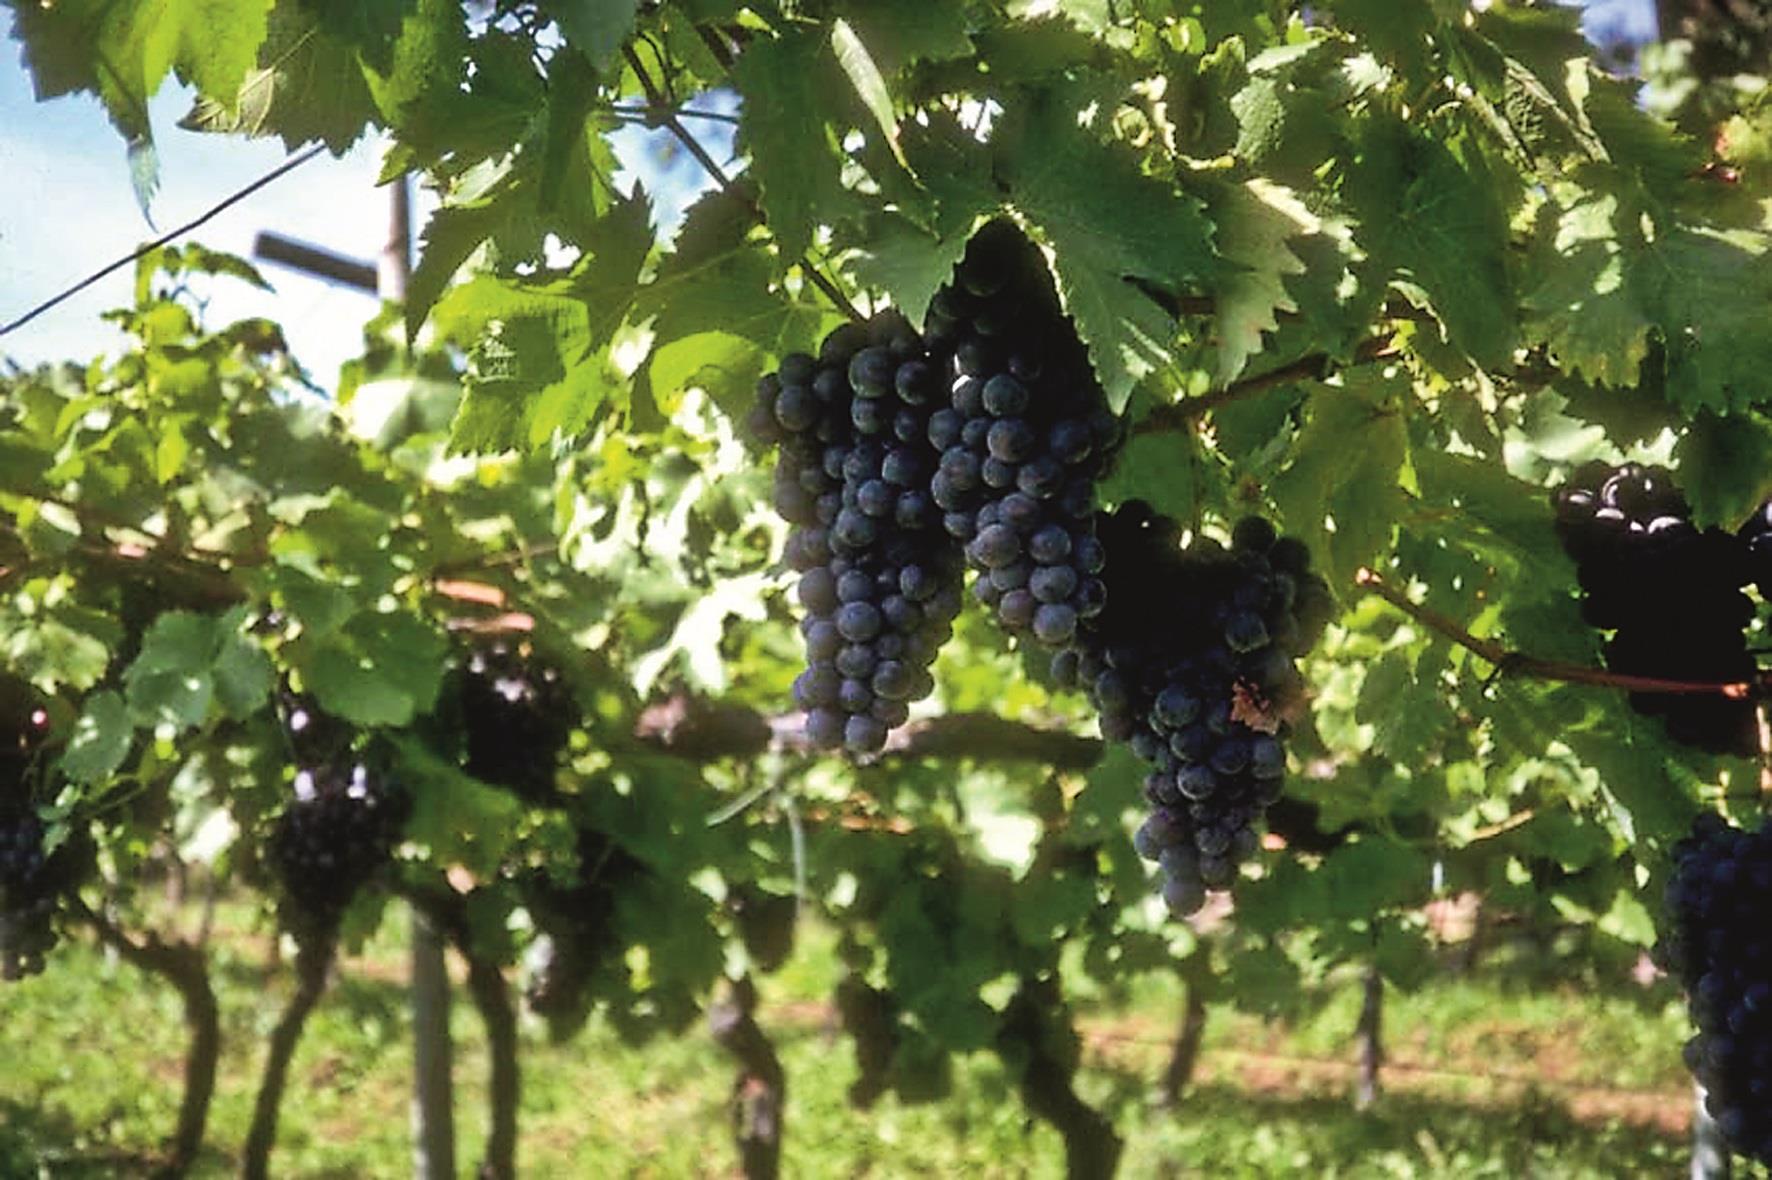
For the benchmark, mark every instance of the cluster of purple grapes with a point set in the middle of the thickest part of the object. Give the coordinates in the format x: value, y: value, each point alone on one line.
x: 1195, y: 667
x: 906, y: 457
x: 579, y: 935
x: 1670, y: 593
x: 879, y: 579
x: 516, y: 714
x: 31, y: 885
x: 1024, y: 437
x: 327, y: 843
x: 32, y: 878
x: 1717, y: 945
x: 1756, y: 537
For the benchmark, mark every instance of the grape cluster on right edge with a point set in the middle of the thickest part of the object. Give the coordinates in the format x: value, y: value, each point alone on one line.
x: 1669, y: 592
x: 1194, y: 664
x: 1718, y: 945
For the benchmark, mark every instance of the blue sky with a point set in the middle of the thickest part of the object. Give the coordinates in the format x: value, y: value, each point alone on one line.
x: 72, y: 210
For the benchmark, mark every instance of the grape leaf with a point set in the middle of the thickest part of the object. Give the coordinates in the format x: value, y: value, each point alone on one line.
x: 122, y: 50
x: 450, y: 238
x: 1726, y: 466
x: 380, y: 668
x: 719, y: 282
x: 1366, y: 876
x: 1253, y: 222
x: 1348, y: 461
x: 907, y: 262
x: 1584, y: 308
x: 864, y: 75
x: 1108, y: 223
x: 536, y: 349
x: 784, y: 129
x: 171, y: 682
x: 596, y: 28
x: 428, y: 58
x: 456, y: 818
x: 1702, y: 291
x: 1439, y: 222
x: 1092, y: 16
x: 101, y: 739
x: 900, y: 32
x: 1166, y: 470
x: 308, y: 85
x: 243, y: 673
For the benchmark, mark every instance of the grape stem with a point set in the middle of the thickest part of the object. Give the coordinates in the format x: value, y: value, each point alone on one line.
x: 1510, y: 662
x: 667, y: 116
x: 1315, y: 367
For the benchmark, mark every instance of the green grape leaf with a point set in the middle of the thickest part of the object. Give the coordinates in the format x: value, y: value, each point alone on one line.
x: 101, y: 739
x: 171, y: 681
x: 1253, y: 224
x: 1366, y: 876
x: 450, y: 238
x: 380, y: 668
x: 537, y: 359
x: 1401, y: 700
x: 1091, y: 16
x: 900, y: 32
x: 122, y: 51
x: 63, y: 645
x: 1709, y: 290
x: 1109, y: 224
x: 243, y: 673
x: 596, y: 28
x: 1348, y: 462
x: 429, y: 59
x: 1726, y: 466
x: 1404, y: 956
x: 1701, y: 291
x: 1167, y: 470
x: 858, y: 64
x: 308, y: 85
x: 698, y: 634
x: 907, y: 262
x: 1440, y: 223
x: 1584, y: 308
x: 716, y: 314
x: 784, y: 129
x: 457, y: 819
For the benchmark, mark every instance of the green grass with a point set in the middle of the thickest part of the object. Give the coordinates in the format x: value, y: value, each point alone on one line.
x: 90, y: 1056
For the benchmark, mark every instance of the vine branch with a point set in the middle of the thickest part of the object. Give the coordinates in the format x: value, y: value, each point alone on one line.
x: 1510, y: 662
x: 666, y: 113
x: 1315, y: 367
x: 759, y: 1092
x: 313, y: 960
x: 185, y: 967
